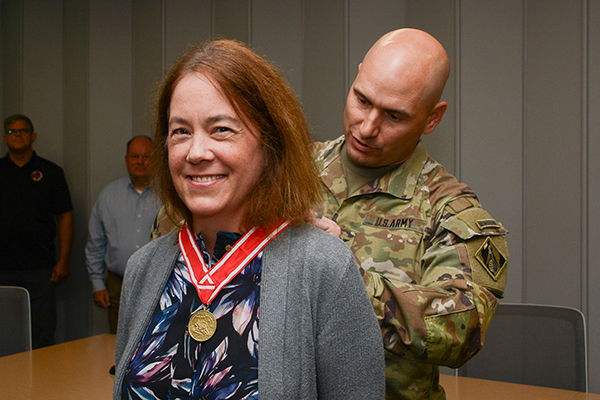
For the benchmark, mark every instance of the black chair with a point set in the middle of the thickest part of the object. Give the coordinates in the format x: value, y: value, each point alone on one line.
x: 15, y: 320
x: 535, y: 345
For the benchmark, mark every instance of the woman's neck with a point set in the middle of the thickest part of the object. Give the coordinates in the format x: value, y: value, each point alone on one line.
x: 209, y: 241
x: 210, y: 230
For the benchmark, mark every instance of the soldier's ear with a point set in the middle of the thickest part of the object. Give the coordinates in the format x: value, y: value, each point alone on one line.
x: 435, y: 117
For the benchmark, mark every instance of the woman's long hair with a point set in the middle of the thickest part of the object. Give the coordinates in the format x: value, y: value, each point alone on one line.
x: 289, y: 186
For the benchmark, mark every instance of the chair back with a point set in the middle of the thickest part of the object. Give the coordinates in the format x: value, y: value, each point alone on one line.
x: 15, y: 320
x: 536, y: 345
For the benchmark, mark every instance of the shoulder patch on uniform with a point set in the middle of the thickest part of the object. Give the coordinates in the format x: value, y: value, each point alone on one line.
x: 462, y: 203
x: 491, y: 258
x: 487, y: 223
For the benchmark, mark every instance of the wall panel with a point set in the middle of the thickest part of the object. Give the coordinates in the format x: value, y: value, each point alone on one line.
x: 147, y: 61
x: 491, y: 72
x: 323, y: 82
x: 110, y: 90
x: 187, y: 22
x: 42, y: 75
x: 231, y: 19
x: 277, y: 34
x: 11, y: 37
x: 593, y: 182
x: 2, y: 43
x: 552, y: 158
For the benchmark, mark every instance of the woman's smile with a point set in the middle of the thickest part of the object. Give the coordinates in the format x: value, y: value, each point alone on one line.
x: 206, y: 179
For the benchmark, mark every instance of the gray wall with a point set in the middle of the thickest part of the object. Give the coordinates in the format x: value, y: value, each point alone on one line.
x: 523, y: 126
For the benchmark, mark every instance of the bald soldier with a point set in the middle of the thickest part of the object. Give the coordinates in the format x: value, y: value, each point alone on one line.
x: 434, y: 261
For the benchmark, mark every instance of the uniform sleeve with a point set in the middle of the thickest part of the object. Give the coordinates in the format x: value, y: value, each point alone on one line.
x: 95, y: 249
x: 443, y: 318
x: 163, y: 224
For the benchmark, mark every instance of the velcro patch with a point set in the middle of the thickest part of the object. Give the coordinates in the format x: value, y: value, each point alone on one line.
x: 487, y: 223
x: 491, y: 258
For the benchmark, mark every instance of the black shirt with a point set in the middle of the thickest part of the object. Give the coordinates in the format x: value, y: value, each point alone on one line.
x: 30, y: 197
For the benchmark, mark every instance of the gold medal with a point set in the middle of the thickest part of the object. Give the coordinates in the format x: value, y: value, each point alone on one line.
x: 202, y: 325
x: 209, y: 281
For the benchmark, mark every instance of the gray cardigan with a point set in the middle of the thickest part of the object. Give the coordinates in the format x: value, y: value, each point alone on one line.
x: 319, y: 337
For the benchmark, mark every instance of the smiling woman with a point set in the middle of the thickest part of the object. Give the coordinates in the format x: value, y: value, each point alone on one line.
x: 233, y: 158
x: 214, y: 158
x: 261, y: 101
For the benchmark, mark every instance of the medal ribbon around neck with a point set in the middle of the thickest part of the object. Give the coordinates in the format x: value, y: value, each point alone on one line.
x: 209, y: 282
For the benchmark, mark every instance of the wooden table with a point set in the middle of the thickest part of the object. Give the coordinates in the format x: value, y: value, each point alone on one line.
x: 461, y: 388
x: 73, y: 370
x: 79, y: 370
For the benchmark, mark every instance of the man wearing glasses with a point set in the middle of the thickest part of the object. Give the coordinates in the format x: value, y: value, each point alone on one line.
x: 34, y: 204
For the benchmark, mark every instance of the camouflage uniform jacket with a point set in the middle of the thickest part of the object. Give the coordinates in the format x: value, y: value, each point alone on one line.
x: 432, y: 259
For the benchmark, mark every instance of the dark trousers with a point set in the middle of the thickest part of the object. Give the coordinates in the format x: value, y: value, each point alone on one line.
x: 42, y: 293
x: 114, y: 283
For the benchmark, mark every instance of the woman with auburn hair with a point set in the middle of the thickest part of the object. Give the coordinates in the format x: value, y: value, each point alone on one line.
x: 232, y: 156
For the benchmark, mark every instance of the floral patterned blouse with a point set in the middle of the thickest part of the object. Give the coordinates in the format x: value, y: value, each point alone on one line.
x: 169, y: 364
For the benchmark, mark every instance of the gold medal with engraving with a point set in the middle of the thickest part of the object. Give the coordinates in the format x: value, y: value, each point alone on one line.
x: 202, y: 325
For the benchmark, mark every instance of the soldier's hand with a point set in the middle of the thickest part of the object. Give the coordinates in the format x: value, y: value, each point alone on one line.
x: 328, y: 225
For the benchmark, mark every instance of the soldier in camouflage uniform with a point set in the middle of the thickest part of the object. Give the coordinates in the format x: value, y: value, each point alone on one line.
x: 433, y: 260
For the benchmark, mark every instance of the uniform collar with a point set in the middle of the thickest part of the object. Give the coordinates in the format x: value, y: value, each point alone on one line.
x: 400, y: 182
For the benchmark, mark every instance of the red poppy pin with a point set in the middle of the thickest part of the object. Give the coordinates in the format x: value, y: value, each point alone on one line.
x: 37, y: 176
